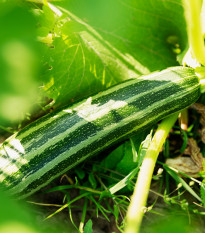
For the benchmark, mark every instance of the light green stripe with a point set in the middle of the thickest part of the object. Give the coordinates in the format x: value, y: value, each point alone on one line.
x: 26, y: 181
x: 43, y: 123
x: 36, y: 151
x: 61, y: 136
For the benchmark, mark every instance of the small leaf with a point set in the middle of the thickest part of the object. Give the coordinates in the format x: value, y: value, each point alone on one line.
x: 88, y: 227
x: 144, y: 146
x: 116, y: 212
x: 134, y: 152
x: 202, y: 190
x: 113, y: 158
x: 92, y: 180
x: 126, y: 164
x: 80, y: 172
x: 48, y: 17
x: 19, y: 63
x: 124, y: 182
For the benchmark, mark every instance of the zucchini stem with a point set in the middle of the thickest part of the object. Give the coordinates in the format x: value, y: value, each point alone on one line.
x: 137, y: 205
x: 194, y: 28
x: 202, y: 87
x: 203, y: 17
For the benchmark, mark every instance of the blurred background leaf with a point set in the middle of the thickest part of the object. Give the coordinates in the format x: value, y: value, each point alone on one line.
x: 15, y: 217
x: 19, y: 62
x: 172, y: 220
x: 20, y: 217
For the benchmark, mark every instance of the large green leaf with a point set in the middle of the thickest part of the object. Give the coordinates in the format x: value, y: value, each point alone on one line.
x: 81, y: 62
x: 139, y: 29
x: 121, y: 39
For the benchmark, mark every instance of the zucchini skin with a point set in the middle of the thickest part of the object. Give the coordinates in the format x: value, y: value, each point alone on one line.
x: 55, y: 143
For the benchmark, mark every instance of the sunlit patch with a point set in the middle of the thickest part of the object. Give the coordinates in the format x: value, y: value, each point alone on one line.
x: 16, y: 227
x: 91, y: 112
x: 10, y: 169
x: 8, y: 106
x: 11, y: 153
x: 68, y: 110
x: 55, y: 9
x: 3, y: 152
x: 23, y: 161
x: 93, y: 70
x: 3, y: 162
x: 103, y: 77
x: 56, y: 116
x: 17, y: 145
x: 138, y: 66
x: 2, y: 177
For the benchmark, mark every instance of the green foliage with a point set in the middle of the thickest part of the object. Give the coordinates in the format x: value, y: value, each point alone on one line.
x: 140, y: 30
x: 88, y: 227
x: 180, y: 181
x: 87, y: 57
x: 122, y: 158
x: 123, y: 165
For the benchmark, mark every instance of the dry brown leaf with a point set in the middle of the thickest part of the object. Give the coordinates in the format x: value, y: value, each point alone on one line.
x: 194, y: 151
x: 185, y: 165
x: 188, y: 165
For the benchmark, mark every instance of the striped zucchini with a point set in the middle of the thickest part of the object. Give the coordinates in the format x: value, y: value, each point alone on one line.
x: 55, y: 143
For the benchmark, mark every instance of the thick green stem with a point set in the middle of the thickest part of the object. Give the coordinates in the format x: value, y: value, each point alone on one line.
x: 203, y: 17
x: 138, y: 201
x: 192, y: 10
x: 202, y: 82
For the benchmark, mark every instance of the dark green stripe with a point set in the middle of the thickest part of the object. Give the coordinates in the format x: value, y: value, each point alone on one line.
x: 175, y: 96
x: 98, y: 145
x: 90, y: 129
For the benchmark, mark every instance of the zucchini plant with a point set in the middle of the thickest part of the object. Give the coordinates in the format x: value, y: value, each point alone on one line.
x: 123, y: 95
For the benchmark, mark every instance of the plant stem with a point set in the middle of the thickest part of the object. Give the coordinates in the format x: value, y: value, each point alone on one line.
x: 137, y: 205
x: 203, y: 17
x: 83, y: 216
x: 192, y: 10
x: 202, y: 82
x: 6, y: 129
